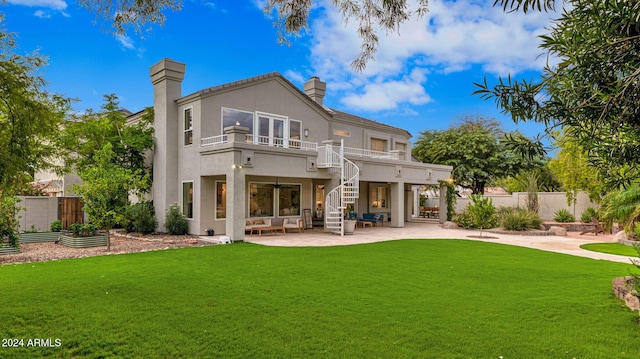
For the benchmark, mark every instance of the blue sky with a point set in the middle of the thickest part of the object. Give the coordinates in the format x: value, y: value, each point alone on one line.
x: 422, y: 78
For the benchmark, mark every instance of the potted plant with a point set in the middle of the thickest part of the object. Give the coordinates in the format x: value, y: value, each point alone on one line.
x: 210, y: 231
x: 350, y: 223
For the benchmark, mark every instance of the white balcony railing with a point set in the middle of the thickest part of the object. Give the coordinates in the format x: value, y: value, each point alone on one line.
x: 213, y: 141
x: 359, y: 152
x: 282, y: 142
x: 302, y: 145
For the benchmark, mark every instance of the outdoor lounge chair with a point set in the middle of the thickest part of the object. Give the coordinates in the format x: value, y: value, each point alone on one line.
x: 293, y: 223
x: 597, y: 227
x: 251, y: 224
x: 373, y: 218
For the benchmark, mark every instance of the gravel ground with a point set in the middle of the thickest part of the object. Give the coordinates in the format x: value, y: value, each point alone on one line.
x: 120, y: 243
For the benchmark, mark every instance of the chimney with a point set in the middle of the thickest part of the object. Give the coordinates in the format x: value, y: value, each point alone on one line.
x: 166, y: 77
x: 315, y: 89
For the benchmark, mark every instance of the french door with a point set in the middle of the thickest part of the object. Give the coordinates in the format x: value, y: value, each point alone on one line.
x: 271, y: 130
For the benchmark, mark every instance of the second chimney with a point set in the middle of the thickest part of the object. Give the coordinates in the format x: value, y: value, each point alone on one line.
x: 315, y: 89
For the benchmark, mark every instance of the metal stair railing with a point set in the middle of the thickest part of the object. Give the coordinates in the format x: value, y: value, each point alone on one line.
x: 346, y: 193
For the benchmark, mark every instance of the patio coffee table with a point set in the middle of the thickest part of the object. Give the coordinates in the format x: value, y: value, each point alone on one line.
x: 364, y: 224
x: 272, y: 229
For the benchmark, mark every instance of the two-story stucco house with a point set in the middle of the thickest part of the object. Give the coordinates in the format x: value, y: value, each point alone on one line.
x: 262, y: 148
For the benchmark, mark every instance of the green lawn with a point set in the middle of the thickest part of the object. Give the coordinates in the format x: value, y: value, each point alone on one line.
x: 611, y: 248
x: 398, y: 299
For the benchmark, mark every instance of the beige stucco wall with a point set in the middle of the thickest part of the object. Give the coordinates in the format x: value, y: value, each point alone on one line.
x: 549, y: 202
x: 37, y: 211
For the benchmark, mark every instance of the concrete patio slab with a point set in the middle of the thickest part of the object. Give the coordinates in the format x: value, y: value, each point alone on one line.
x: 316, y: 237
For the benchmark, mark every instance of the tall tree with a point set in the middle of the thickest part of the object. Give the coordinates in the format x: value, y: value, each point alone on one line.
x: 292, y: 17
x: 81, y: 139
x: 29, y: 115
x: 545, y: 179
x: 572, y: 169
x: 476, y: 147
x: 106, y: 187
x: 592, y: 93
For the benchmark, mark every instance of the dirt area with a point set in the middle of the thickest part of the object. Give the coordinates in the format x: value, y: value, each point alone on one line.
x: 120, y: 243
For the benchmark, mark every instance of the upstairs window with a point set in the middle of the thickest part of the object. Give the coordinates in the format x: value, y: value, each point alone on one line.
x: 188, y: 126
x: 378, y: 145
x: 401, y: 146
x: 231, y: 117
x: 295, y: 133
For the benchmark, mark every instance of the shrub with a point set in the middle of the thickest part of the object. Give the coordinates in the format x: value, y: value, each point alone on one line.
x: 483, y: 213
x: 518, y: 219
x: 480, y: 213
x: 141, y: 218
x: 83, y: 230
x: 588, y: 215
x: 464, y: 219
x: 8, y: 221
x: 33, y: 229
x: 56, y: 226
x: 175, y: 221
x: 563, y: 216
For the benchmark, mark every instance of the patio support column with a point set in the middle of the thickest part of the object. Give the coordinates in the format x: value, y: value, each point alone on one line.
x: 397, y: 204
x: 236, y: 199
x: 442, y: 217
x: 408, y: 202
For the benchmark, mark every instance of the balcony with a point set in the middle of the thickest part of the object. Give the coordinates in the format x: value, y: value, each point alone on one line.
x: 262, y: 141
x: 296, y: 144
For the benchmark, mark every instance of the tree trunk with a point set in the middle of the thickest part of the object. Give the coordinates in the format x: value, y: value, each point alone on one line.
x: 478, y: 187
x: 108, y: 240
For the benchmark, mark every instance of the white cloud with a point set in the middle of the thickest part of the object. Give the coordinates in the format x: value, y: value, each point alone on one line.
x: 387, y: 94
x: 125, y: 41
x: 294, y: 77
x: 41, y: 14
x: 50, y: 4
x: 451, y: 37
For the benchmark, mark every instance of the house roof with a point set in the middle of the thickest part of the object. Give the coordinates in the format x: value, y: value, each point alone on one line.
x: 339, y: 115
x: 335, y: 114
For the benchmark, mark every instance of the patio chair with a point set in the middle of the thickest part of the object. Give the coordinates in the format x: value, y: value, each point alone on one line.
x: 293, y: 223
x: 597, y: 227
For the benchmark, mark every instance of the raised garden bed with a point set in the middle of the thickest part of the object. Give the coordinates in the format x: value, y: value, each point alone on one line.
x: 569, y: 226
x: 83, y: 242
x: 39, y: 237
x: 9, y: 250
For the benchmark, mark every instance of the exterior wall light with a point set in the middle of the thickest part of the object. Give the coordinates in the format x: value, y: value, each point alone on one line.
x: 306, y: 132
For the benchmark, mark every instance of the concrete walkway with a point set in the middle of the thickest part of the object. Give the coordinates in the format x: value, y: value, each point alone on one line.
x: 417, y: 230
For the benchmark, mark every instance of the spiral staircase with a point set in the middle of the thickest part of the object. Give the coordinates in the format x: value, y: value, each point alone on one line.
x: 332, y: 157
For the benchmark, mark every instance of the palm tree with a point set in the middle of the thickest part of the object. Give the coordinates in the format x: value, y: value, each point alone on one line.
x: 622, y: 206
